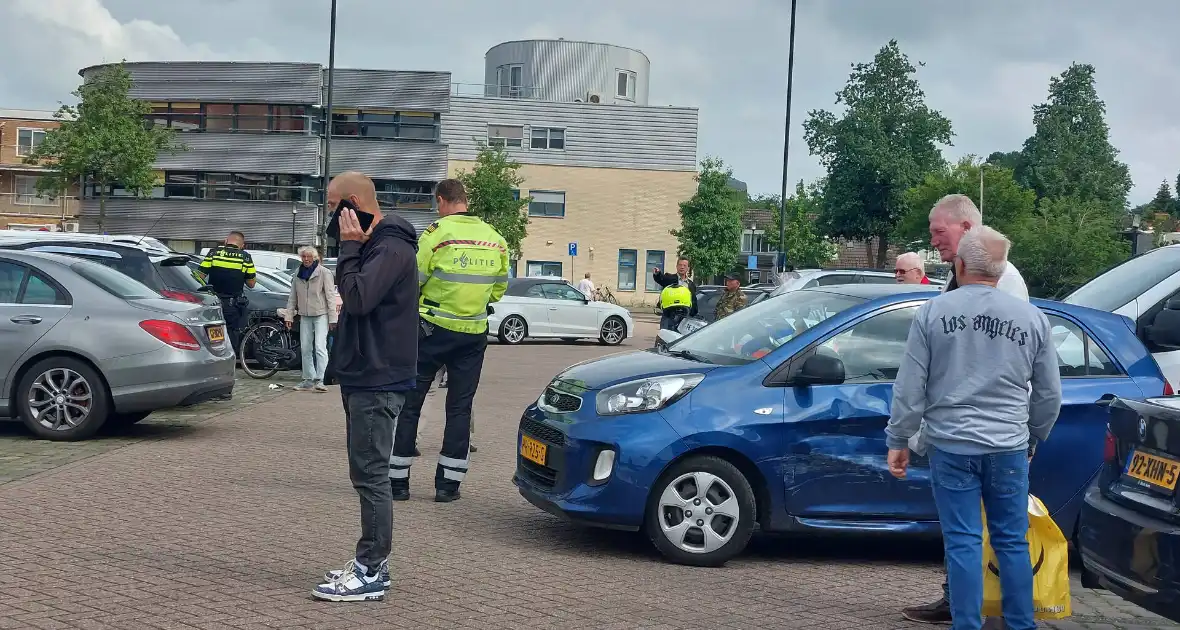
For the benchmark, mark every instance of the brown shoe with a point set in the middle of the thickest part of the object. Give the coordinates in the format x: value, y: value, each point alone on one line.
x: 938, y: 612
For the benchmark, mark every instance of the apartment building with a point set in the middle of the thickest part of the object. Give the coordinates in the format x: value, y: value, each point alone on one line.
x: 253, y: 149
x: 20, y: 205
x: 605, y: 171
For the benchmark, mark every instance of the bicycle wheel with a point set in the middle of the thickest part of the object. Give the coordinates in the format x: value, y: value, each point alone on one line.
x: 610, y: 297
x: 263, y: 349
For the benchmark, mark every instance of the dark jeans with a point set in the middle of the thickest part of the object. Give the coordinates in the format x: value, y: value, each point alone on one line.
x: 235, y: 321
x: 462, y: 355
x: 1000, y: 481
x: 371, y: 419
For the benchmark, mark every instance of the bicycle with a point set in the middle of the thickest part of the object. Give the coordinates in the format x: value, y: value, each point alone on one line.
x: 268, y: 345
x: 603, y: 294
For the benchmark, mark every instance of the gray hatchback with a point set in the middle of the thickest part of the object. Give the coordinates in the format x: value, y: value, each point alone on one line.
x: 82, y: 345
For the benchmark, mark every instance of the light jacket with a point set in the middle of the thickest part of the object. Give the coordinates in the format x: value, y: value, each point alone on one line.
x: 462, y: 267
x: 315, y: 296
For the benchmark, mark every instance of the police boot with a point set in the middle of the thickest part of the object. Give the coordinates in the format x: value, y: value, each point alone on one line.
x: 401, y: 489
x: 446, y: 494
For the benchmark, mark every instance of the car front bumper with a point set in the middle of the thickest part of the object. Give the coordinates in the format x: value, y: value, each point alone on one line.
x: 1134, y: 555
x: 167, y: 378
x: 643, y: 444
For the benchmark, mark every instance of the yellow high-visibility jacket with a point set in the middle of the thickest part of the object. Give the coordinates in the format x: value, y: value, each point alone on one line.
x: 462, y: 267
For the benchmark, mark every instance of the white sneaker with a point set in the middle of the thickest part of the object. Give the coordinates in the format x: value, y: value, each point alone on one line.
x: 352, y: 585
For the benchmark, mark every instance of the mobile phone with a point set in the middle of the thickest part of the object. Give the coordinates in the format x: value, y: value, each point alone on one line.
x: 365, y: 219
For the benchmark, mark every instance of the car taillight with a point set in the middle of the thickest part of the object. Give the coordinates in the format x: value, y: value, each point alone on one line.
x: 180, y: 296
x: 1109, y: 449
x: 1168, y: 388
x: 171, y: 333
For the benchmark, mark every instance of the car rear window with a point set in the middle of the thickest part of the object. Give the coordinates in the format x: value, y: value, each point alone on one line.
x: 1123, y: 284
x: 129, y: 262
x: 180, y: 278
x: 113, y: 282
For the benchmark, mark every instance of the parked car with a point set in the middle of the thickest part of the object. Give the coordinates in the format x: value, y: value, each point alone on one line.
x: 708, y: 295
x: 1142, y: 288
x: 750, y: 419
x: 162, y: 271
x: 83, y: 345
x: 272, y: 260
x: 1130, y: 525
x: 266, y: 297
x: 553, y: 308
x: 811, y: 278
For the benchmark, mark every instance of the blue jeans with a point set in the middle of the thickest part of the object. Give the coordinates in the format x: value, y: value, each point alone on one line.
x: 313, y: 343
x: 1000, y: 480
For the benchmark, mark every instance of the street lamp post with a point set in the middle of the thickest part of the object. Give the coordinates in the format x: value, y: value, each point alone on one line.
x: 294, y: 212
x: 782, y: 211
x: 982, y: 165
x: 324, y: 210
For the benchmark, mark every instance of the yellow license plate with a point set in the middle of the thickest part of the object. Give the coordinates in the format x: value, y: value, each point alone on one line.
x: 216, y: 333
x: 1157, y: 471
x: 533, y: 450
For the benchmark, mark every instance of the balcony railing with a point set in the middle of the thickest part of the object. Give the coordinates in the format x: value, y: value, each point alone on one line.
x: 405, y: 201
x: 232, y: 123
x: 30, y: 205
x: 496, y: 91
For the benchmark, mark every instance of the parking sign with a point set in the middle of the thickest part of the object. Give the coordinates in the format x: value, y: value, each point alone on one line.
x: 574, y: 248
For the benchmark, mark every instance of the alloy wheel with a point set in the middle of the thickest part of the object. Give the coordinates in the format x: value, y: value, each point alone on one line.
x: 698, y: 512
x: 514, y: 329
x: 60, y: 399
x: 612, y: 331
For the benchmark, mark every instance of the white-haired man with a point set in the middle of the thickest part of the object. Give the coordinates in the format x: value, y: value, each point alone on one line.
x: 965, y: 378
x: 909, y: 269
x: 951, y: 218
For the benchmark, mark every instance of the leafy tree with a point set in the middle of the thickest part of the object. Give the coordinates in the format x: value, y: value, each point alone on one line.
x: 1064, y: 244
x: 1069, y: 154
x: 883, y: 144
x: 104, y: 140
x: 711, y: 221
x: 1013, y: 161
x: 493, y: 186
x: 806, y: 247
x: 1005, y: 202
x: 1163, y: 202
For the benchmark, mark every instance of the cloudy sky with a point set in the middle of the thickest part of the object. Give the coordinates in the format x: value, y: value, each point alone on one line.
x: 987, y: 63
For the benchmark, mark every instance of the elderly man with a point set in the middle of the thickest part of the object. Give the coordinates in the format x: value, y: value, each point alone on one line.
x: 969, y: 359
x: 950, y: 218
x: 910, y: 270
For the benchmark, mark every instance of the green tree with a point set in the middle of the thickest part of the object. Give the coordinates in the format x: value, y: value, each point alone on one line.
x: 1005, y: 202
x: 1064, y: 244
x: 493, y: 188
x: 1163, y: 202
x: 1013, y: 161
x: 1069, y: 154
x: 806, y: 247
x: 884, y: 143
x: 710, y: 231
x: 104, y: 140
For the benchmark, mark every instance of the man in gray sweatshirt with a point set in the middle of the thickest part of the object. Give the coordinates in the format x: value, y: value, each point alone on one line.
x: 970, y: 359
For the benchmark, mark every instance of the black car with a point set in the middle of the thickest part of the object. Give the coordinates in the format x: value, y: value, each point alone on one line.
x: 708, y: 295
x: 265, y: 298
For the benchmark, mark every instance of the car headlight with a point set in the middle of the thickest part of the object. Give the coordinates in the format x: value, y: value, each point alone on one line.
x: 649, y: 394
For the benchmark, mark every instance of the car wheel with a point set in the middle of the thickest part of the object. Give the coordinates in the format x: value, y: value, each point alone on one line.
x: 513, y: 330
x: 701, y: 512
x: 614, y: 331
x: 63, y: 399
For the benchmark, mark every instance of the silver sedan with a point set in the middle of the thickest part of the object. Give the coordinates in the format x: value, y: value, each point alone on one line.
x: 82, y: 345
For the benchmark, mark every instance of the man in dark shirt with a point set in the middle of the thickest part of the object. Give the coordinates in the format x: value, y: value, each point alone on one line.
x: 374, y: 360
x: 681, y: 276
x: 228, y: 269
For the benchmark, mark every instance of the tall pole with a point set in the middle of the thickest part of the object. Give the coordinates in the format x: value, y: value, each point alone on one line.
x: 325, y: 210
x: 981, y: 167
x: 782, y: 211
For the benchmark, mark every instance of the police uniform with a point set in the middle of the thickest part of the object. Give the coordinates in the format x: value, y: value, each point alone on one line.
x: 462, y: 268
x: 227, y: 268
x: 676, y: 302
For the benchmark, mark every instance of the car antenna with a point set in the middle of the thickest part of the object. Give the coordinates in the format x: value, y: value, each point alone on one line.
x: 150, y: 228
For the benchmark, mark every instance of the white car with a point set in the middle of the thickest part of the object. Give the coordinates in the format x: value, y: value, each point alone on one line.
x: 811, y: 278
x: 552, y: 308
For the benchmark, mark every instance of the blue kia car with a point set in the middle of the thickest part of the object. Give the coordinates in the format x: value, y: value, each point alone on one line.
x: 775, y: 416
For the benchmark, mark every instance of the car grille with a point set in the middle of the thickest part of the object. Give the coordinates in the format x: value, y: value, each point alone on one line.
x: 542, y: 431
x: 561, y: 401
x: 544, y: 477
x: 540, y: 476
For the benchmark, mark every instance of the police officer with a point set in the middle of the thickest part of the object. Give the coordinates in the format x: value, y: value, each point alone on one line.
x: 679, y: 282
x: 462, y: 268
x: 228, y: 269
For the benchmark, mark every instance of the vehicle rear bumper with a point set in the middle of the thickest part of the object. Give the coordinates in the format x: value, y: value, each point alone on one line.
x: 1134, y: 555
x: 168, y: 378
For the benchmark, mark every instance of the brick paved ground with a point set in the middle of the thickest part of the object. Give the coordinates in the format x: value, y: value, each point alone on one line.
x: 222, y: 516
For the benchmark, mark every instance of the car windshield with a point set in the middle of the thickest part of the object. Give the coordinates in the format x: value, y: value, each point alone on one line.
x: 1121, y: 285
x: 755, y: 331
x: 113, y: 282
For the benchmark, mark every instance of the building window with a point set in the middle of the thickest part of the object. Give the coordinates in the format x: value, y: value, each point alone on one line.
x: 628, y: 258
x: 405, y: 195
x: 755, y: 242
x: 253, y: 118
x: 28, y: 139
x: 537, y: 268
x: 185, y: 116
x: 546, y: 204
x: 505, y: 136
x: 219, y: 117
x: 655, y: 260
x: 26, y: 192
x: 626, y: 85
x: 548, y: 138
x: 228, y: 117
x: 511, y: 80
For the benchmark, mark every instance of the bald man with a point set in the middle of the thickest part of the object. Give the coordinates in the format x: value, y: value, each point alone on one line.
x: 374, y: 359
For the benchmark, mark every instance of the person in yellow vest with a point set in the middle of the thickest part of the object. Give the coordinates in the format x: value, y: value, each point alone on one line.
x: 462, y: 268
x: 679, y: 282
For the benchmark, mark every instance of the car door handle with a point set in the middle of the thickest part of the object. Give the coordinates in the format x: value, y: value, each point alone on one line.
x: 26, y: 319
x: 553, y: 308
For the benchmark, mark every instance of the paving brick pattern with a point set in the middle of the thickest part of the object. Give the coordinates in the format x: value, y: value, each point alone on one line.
x: 225, y: 520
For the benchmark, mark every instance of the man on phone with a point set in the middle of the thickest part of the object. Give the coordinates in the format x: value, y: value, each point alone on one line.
x: 462, y: 268
x: 373, y: 359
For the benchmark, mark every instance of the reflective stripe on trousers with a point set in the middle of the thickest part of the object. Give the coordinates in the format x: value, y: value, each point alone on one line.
x: 399, y: 467
x: 453, y: 469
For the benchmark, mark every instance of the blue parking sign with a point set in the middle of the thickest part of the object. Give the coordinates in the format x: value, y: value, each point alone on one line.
x: 574, y: 248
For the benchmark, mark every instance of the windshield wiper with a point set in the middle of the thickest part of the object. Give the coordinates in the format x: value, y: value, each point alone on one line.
x: 687, y: 354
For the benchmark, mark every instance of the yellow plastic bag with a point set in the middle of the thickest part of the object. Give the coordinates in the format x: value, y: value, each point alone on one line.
x: 1049, y: 554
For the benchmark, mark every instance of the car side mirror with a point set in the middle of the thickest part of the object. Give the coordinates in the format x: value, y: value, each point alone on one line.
x: 819, y: 369
x: 1164, y: 331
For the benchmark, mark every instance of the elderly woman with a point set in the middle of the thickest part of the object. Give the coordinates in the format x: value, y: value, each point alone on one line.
x: 313, y: 299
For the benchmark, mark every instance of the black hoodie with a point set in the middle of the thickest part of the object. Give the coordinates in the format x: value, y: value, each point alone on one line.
x: 376, y: 343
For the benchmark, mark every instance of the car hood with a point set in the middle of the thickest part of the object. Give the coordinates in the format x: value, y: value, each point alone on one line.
x: 627, y: 366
